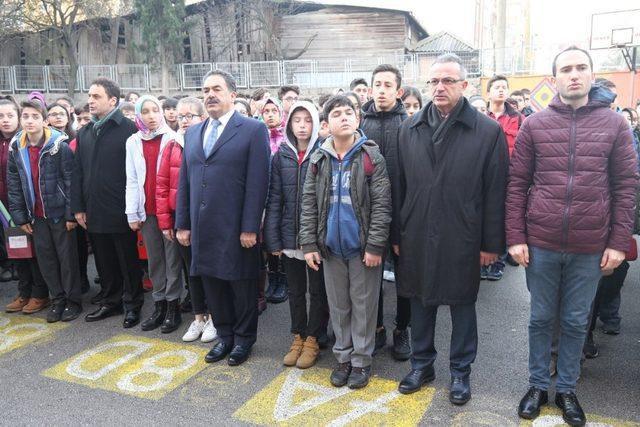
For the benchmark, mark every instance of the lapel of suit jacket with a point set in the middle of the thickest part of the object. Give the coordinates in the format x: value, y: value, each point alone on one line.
x: 229, y: 131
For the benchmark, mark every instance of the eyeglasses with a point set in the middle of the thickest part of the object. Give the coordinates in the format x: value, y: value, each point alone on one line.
x: 187, y: 117
x: 290, y: 99
x: 56, y: 115
x: 447, y: 81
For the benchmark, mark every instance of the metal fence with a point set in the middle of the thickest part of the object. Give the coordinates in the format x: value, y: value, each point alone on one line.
x: 319, y: 73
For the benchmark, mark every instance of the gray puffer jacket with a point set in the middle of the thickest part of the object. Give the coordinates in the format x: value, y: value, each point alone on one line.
x: 370, y: 193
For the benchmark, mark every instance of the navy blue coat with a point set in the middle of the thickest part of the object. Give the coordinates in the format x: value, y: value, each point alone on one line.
x: 224, y: 195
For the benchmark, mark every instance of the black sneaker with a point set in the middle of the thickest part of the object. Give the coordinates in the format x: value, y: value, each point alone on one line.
x: 359, y: 377
x: 572, y: 413
x: 590, y: 348
x: 401, y: 344
x: 340, y: 374
x: 381, y: 339
x: 71, y: 312
x: 55, y: 312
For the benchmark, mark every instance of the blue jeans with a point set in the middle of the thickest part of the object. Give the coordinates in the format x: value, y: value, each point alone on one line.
x: 561, y: 284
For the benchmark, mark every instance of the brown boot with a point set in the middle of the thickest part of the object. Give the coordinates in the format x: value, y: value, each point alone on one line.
x: 310, y: 351
x: 291, y: 358
x: 35, y: 305
x: 16, y: 305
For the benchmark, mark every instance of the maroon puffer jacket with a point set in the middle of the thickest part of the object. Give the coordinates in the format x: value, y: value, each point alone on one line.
x: 572, y: 179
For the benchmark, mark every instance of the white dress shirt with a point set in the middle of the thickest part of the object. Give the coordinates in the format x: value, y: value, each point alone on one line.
x: 223, y: 123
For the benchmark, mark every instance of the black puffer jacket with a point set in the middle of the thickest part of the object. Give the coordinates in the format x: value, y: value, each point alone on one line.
x: 282, y: 217
x: 56, y: 167
x: 382, y: 128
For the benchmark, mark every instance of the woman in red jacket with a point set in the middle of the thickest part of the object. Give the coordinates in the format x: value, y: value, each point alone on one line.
x: 190, y: 111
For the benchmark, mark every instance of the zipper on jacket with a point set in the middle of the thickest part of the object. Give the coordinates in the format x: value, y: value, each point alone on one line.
x: 569, y: 194
x: 296, y: 213
x: 339, y: 201
x: 44, y: 211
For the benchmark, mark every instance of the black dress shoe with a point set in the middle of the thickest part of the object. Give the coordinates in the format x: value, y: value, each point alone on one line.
x: 103, y: 312
x: 71, y: 312
x: 218, y: 352
x: 239, y: 355
x: 460, y: 390
x: 281, y: 290
x: 131, y: 318
x: 572, y: 413
x: 530, y: 404
x: 359, y: 377
x: 416, y: 379
x: 340, y: 374
x: 55, y: 312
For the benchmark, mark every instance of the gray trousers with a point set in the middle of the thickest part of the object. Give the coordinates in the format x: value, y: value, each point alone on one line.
x: 352, y: 293
x: 165, y: 268
x: 57, y: 253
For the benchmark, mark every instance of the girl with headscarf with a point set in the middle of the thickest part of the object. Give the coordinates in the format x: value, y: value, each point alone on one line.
x: 144, y: 150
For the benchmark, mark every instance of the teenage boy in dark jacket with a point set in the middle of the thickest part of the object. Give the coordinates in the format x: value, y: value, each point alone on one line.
x: 382, y: 116
x: 346, y: 212
x: 39, y: 178
x: 281, y: 224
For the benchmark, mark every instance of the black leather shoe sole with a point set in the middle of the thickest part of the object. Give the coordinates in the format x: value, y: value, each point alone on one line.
x: 406, y: 389
x: 92, y: 317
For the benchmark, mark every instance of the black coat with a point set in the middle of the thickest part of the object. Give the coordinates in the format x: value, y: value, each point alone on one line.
x: 282, y: 218
x: 55, y: 165
x: 382, y: 128
x: 449, y: 205
x: 99, y: 175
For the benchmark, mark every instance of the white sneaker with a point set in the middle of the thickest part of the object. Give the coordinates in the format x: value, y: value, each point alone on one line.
x: 209, y: 333
x: 194, y: 331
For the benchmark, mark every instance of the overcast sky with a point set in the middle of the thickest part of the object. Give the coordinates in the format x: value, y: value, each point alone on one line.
x: 553, y: 21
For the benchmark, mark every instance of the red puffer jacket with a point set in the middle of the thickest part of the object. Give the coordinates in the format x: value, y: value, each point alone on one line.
x: 4, y: 158
x: 573, y: 179
x: 510, y: 123
x: 167, y: 184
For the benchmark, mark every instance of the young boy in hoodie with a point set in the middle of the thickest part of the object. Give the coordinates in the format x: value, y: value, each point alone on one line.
x: 39, y: 183
x: 281, y: 224
x: 271, y: 114
x: 346, y: 212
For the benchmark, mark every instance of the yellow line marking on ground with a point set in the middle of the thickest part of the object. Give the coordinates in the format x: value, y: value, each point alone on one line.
x: 297, y: 397
x: 137, y: 366
x: 19, y: 330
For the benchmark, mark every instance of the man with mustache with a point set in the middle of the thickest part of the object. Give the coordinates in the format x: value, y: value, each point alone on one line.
x: 221, y: 197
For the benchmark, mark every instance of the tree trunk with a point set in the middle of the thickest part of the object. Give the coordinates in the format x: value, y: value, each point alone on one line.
x: 72, y: 60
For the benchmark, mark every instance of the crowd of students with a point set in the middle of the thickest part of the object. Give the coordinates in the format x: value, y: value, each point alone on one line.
x: 327, y: 221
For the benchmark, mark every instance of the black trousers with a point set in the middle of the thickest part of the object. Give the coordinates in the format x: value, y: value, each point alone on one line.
x: 196, y: 292
x: 234, y: 309
x: 403, y: 305
x: 302, y: 324
x: 464, y: 337
x: 31, y: 284
x: 606, y: 304
x: 117, y: 259
x: 57, y: 252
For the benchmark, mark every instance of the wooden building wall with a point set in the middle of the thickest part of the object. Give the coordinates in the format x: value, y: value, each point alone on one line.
x: 344, y: 33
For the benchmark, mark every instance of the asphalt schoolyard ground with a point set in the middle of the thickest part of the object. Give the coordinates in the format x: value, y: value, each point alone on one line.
x: 100, y: 374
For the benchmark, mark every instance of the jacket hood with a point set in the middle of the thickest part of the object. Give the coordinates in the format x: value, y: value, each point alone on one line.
x: 327, y: 146
x: 291, y: 141
x: 599, y: 96
x: 52, y: 137
x: 369, y: 109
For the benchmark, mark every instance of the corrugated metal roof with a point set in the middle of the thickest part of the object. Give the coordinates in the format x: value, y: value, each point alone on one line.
x: 442, y: 42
